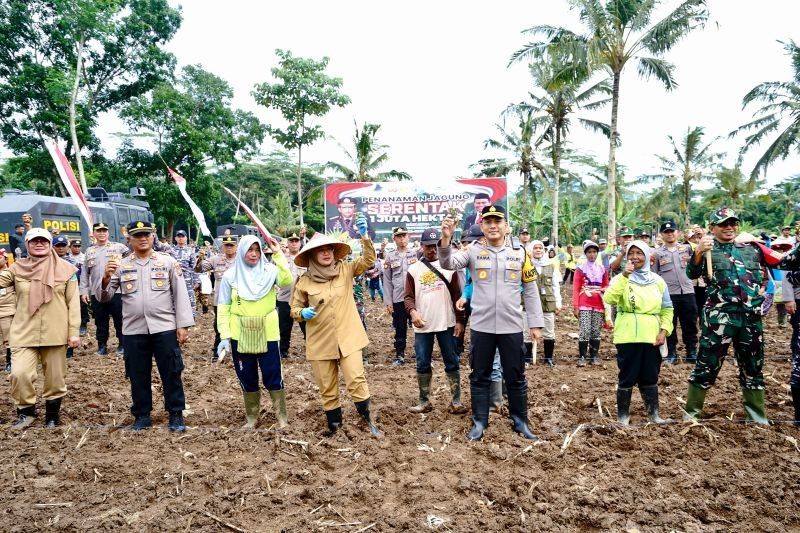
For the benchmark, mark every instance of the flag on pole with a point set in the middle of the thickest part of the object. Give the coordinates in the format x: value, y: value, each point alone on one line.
x: 70, y: 183
x: 180, y: 181
x: 257, y: 221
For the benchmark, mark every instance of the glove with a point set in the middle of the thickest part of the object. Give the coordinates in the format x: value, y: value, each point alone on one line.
x: 223, y: 348
x: 361, y: 225
x: 308, y: 313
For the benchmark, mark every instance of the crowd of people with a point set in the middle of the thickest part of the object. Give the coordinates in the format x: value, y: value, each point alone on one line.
x: 716, y: 285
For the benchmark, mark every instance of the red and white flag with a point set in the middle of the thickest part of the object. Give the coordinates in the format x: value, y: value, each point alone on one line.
x: 180, y: 181
x: 70, y: 183
x: 257, y: 221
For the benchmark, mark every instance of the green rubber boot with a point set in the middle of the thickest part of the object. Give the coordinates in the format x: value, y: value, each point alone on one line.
x: 252, y: 406
x: 753, y: 400
x: 279, y: 407
x: 695, y: 398
x: 424, y: 381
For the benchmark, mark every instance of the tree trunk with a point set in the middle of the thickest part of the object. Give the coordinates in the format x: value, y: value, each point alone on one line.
x: 612, y: 163
x: 686, y: 215
x: 72, y: 127
x: 556, y: 184
x: 300, y: 182
x: 169, y: 228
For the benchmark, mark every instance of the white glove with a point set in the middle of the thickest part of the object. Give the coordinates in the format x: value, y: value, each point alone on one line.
x: 223, y: 348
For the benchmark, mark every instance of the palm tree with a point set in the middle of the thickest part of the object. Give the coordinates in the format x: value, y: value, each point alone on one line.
x: 730, y: 188
x: 780, y: 113
x: 368, y: 157
x: 617, y: 31
x: 689, y: 159
x: 552, y: 114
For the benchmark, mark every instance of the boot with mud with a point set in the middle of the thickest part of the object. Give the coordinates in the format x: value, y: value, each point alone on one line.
x: 528, y: 353
x: 754, y: 410
x: 594, y: 352
x: 279, y: 407
x: 363, y: 410
x: 252, y: 407
x: 583, y: 347
x: 52, y: 409
x: 518, y: 411
x: 424, y: 406
x: 624, y: 405
x: 695, y: 398
x: 549, y: 349
x: 334, y: 419
x: 25, y: 417
x: 456, y: 407
x: 650, y: 399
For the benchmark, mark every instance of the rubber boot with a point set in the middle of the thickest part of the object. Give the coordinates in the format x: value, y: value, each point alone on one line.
x: 594, y: 351
x: 528, y: 353
x: 549, y: 349
x: 252, y: 407
x: 496, y: 395
x: 583, y: 347
x: 363, y: 410
x: 650, y: 399
x: 279, y: 407
x: 52, y: 408
x: 456, y: 407
x: 424, y: 381
x: 140, y: 423
x: 796, y: 401
x: 399, y: 358
x: 205, y: 309
x: 25, y: 417
x: 364, y: 357
x: 753, y: 400
x: 691, y: 356
x: 624, y: 405
x: 695, y: 398
x: 70, y: 353
x: 8, y: 359
x: 334, y: 418
x: 480, y: 412
x: 518, y: 411
x: 672, y: 356
x: 176, y: 423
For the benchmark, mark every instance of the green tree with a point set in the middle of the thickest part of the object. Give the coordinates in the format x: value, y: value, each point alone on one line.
x: 302, y: 92
x: 780, y: 113
x: 367, y: 158
x: 731, y: 186
x: 617, y: 31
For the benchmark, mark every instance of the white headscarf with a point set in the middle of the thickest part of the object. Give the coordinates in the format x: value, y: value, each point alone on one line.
x: 251, y: 282
x: 641, y: 276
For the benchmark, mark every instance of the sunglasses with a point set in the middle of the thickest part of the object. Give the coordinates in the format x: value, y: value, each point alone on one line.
x: 728, y: 224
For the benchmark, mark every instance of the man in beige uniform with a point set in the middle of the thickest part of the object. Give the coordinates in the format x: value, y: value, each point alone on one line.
x: 155, y: 316
x: 8, y: 306
x: 219, y: 263
x: 46, y: 321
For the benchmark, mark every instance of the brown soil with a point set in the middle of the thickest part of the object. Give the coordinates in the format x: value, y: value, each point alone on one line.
x: 89, y: 474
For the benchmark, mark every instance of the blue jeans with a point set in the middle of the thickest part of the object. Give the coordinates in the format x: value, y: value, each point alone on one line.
x: 423, y: 349
x: 247, y: 365
x: 374, y: 285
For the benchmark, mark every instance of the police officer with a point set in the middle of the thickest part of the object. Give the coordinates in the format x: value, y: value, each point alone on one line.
x: 497, y: 270
x: 732, y: 313
x: 94, y: 266
x: 219, y: 264
x: 345, y: 221
x: 285, y: 320
x: 395, y: 267
x: 156, y: 318
x: 76, y: 258
x: 186, y: 256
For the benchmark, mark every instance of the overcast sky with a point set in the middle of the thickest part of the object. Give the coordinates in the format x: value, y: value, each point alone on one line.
x: 434, y: 74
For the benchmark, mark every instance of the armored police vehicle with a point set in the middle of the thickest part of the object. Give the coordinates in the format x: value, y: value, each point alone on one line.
x: 48, y: 212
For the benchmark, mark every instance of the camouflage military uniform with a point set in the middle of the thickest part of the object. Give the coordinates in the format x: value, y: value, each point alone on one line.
x: 187, y: 258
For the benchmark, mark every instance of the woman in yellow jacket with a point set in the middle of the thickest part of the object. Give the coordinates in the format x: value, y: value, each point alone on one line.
x: 248, y: 325
x: 644, y: 320
x: 335, y: 336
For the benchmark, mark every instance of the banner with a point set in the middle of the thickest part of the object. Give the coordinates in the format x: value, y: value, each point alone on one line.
x: 180, y: 181
x: 70, y: 183
x: 257, y: 221
x: 413, y: 205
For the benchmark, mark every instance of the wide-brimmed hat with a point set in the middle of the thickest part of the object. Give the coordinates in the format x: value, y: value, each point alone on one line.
x: 340, y: 249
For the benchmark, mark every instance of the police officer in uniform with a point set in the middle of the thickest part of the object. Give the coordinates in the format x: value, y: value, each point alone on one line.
x: 156, y: 318
x: 94, y: 267
x: 497, y: 271
x: 285, y: 320
x: 218, y: 264
x: 670, y: 260
x: 345, y: 221
x: 186, y: 256
x: 395, y: 267
x: 732, y: 313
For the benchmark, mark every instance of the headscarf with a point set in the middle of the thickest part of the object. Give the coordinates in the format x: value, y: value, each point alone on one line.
x: 251, y: 282
x: 319, y: 273
x: 592, y: 270
x: 44, y: 273
x: 641, y: 276
x: 542, y: 261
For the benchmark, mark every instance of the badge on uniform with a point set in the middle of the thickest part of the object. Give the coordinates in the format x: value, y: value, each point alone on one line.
x: 483, y: 274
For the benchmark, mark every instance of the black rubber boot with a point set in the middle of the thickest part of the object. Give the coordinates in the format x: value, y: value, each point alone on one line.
x: 52, y: 408
x: 528, y: 353
x: 796, y: 401
x: 549, y: 348
x: 176, y: 423
x: 594, y: 351
x: 25, y: 417
x: 363, y: 410
x: 624, y: 406
x: 70, y: 353
x: 334, y: 417
x: 672, y: 356
x: 650, y: 398
x: 583, y: 347
x: 8, y: 359
x: 205, y: 309
x: 518, y: 411
x: 102, y: 350
x: 480, y: 412
x: 141, y: 422
x: 691, y: 356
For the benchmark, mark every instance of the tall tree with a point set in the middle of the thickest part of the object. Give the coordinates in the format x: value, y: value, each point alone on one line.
x: 731, y: 186
x: 780, y: 113
x: 616, y: 32
x: 367, y: 158
x: 302, y: 92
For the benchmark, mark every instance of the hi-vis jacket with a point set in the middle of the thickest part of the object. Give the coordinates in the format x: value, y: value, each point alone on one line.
x: 496, y: 273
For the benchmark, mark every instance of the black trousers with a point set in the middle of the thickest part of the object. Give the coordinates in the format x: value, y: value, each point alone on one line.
x: 139, y: 353
x: 684, y: 308
x: 400, y: 325
x: 460, y: 340
x: 639, y: 364
x: 102, y: 312
x: 85, y: 314
x: 481, y: 357
x: 285, y: 323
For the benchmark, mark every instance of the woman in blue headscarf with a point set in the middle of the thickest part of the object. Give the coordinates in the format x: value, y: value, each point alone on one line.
x: 644, y: 320
x: 248, y: 324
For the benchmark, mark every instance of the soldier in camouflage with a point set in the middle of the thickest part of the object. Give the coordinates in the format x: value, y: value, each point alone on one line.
x: 186, y: 256
x: 732, y: 313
